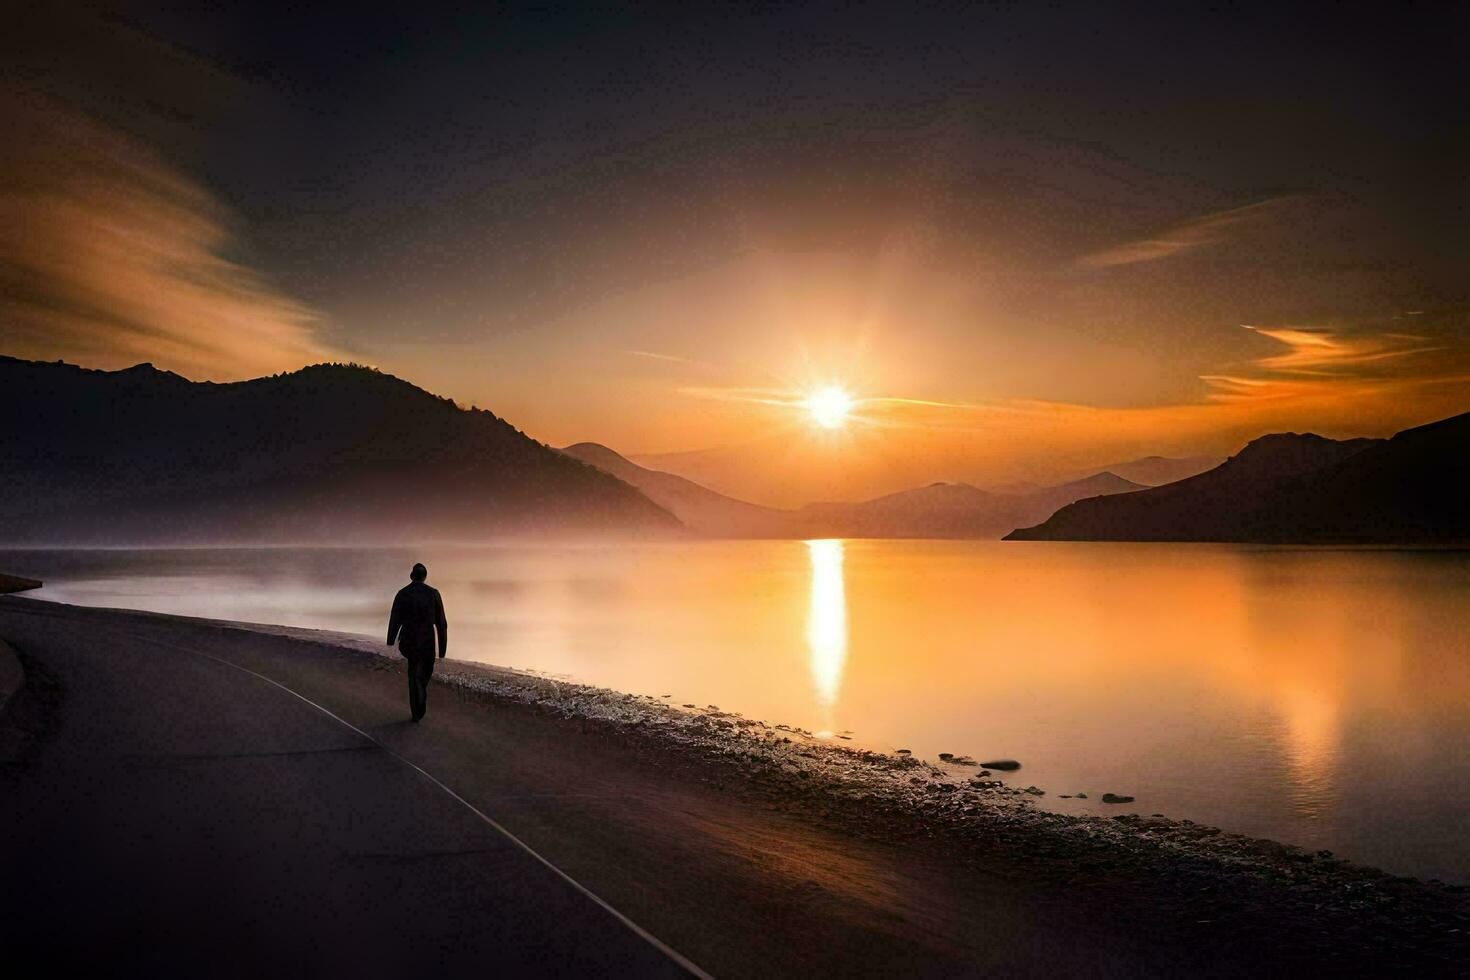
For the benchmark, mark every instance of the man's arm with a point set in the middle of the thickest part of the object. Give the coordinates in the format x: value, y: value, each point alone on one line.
x: 395, y: 620
x: 441, y: 623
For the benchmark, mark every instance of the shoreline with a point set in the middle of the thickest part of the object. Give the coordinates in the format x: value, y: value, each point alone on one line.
x: 905, y: 782
x: 17, y: 583
x: 982, y: 826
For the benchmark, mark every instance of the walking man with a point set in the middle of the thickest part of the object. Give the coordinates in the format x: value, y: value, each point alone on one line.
x: 417, y: 612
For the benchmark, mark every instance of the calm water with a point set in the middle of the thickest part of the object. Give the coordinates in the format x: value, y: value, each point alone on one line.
x: 1316, y: 696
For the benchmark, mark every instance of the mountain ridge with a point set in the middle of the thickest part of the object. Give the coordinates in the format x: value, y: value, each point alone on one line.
x: 141, y: 455
x: 1297, y: 488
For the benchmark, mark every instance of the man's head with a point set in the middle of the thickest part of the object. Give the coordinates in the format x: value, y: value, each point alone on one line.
x: 419, y: 573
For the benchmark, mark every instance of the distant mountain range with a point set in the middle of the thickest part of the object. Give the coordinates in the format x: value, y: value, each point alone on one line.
x: 1154, y: 471
x: 1290, y: 488
x: 341, y: 453
x: 950, y: 510
x: 728, y: 471
x: 327, y: 453
x: 1149, y: 471
x: 941, y: 510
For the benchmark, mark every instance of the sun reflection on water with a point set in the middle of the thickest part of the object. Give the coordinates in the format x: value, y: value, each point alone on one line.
x: 1310, y: 739
x: 826, y: 625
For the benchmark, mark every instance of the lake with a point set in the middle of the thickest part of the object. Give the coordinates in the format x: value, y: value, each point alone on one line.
x: 1317, y: 696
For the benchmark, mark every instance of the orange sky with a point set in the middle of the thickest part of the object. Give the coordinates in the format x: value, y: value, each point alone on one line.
x: 126, y: 259
x: 947, y: 388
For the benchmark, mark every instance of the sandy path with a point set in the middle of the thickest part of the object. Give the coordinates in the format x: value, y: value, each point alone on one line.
x: 179, y: 817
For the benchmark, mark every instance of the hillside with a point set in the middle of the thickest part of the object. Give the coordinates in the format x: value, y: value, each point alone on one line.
x: 328, y: 453
x: 700, y: 509
x: 1291, y: 488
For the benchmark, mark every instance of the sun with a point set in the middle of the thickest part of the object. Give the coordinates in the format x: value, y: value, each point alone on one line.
x: 829, y: 407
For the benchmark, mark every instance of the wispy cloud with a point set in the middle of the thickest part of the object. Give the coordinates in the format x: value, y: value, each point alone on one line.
x: 1326, y: 353
x: 651, y: 355
x: 749, y: 396
x: 1319, y: 359
x: 109, y: 256
x: 1192, y: 234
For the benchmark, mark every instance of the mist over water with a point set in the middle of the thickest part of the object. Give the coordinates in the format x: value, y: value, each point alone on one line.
x: 1317, y: 696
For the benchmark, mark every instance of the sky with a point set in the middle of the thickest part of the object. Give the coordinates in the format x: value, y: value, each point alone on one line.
x: 1027, y: 238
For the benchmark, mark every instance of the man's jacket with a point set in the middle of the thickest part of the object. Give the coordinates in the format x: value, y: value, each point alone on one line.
x: 417, y: 612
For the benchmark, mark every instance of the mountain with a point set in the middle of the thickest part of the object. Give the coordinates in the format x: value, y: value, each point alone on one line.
x: 1096, y: 485
x: 770, y: 469
x: 700, y: 509
x: 1153, y: 471
x: 949, y: 510
x: 328, y: 453
x: 1290, y: 488
x: 940, y: 510
x: 1148, y: 471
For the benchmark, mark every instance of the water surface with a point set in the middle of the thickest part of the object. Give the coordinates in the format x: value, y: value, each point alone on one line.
x: 1316, y: 696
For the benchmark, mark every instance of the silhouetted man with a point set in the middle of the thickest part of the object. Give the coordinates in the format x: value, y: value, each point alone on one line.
x: 417, y: 612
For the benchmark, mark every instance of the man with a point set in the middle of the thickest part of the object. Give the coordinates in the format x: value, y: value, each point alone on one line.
x: 417, y: 612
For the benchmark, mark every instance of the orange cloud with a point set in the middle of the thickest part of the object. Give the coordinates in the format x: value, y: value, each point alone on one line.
x: 1321, y: 362
x: 1328, y: 354
x: 109, y: 256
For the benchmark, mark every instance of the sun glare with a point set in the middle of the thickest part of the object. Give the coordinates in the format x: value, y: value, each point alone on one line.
x: 829, y: 407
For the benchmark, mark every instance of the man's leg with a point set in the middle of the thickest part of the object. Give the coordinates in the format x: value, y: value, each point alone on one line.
x: 425, y: 673
x: 411, y: 668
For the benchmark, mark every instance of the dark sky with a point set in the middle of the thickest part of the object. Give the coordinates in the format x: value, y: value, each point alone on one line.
x: 1117, y: 181
x: 533, y: 141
